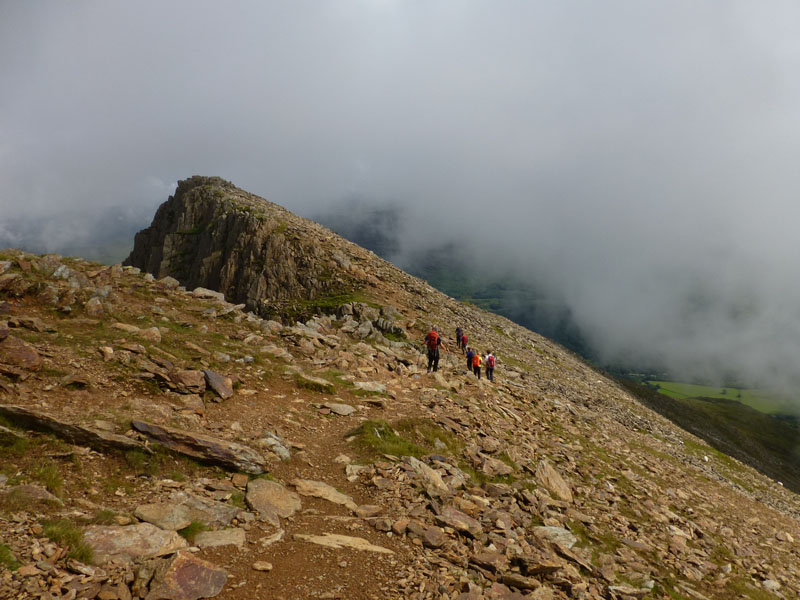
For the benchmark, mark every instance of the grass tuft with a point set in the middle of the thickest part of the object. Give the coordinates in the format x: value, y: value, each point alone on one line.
x: 7, y: 558
x: 191, y: 530
x: 69, y: 535
x: 49, y: 475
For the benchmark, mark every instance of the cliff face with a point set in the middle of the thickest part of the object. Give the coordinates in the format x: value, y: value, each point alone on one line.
x: 212, y: 234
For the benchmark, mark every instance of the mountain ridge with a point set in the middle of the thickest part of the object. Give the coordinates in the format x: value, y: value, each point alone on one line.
x: 359, y: 475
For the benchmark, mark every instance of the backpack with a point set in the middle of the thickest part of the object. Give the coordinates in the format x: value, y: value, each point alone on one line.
x: 476, y: 360
x: 490, y: 361
x: 433, y: 340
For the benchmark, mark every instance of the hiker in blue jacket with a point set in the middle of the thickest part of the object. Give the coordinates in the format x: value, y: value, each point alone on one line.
x: 470, y: 354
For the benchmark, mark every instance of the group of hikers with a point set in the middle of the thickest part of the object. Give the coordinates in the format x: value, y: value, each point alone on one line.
x: 433, y: 342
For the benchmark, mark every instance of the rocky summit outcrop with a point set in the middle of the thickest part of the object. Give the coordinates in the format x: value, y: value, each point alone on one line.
x: 211, y: 234
x: 159, y: 442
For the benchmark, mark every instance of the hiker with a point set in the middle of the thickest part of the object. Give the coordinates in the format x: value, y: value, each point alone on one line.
x: 476, y: 364
x: 458, y: 337
x: 433, y: 341
x: 463, y: 342
x: 470, y: 354
x: 490, y: 360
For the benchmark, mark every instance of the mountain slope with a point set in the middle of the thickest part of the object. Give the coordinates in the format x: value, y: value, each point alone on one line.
x: 334, y: 466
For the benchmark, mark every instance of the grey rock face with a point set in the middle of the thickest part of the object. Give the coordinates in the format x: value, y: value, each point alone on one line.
x: 212, y: 235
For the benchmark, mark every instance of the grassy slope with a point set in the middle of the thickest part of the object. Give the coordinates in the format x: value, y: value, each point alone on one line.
x: 764, y: 401
x: 768, y: 444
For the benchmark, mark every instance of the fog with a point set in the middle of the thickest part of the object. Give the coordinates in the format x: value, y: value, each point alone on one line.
x: 634, y: 159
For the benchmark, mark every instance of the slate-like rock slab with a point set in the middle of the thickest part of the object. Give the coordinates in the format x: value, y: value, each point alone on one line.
x: 131, y: 542
x: 17, y: 353
x: 164, y: 515
x: 337, y: 408
x: 272, y: 500
x: 76, y: 434
x: 332, y: 540
x: 434, y: 484
x: 205, y: 448
x: 374, y: 387
x: 559, y: 535
x: 185, y: 577
x: 205, y: 510
x: 189, y: 380
x: 28, y: 495
x: 459, y: 521
x: 547, y: 475
x: 222, y: 386
x: 222, y: 537
x: 319, y: 489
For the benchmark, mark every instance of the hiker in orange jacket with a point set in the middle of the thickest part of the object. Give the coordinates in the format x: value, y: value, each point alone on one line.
x: 476, y: 364
x: 433, y: 342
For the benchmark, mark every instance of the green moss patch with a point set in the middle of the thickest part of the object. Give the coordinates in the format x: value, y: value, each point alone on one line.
x: 407, y: 437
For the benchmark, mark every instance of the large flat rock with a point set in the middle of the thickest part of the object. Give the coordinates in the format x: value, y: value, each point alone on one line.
x: 205, y: 448
x: 271, y: 499
x: 131, y: 543
x: 320, y: 489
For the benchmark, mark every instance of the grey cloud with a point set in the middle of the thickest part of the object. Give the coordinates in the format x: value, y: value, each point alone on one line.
x: 635, y: 158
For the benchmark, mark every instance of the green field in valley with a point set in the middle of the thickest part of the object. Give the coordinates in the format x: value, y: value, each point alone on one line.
x: 766, y: 401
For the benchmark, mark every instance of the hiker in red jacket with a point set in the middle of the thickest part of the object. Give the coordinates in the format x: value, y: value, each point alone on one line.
x: 464, y: 342
x: 433, y: 341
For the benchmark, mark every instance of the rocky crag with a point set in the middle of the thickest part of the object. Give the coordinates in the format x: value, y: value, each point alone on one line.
x: 160, y: 440
x: 212, y: 234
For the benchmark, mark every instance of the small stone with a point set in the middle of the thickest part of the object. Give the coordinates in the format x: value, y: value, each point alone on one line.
x: 366, y: 511
x: 222, y: 386
x: 151, y: 334
x: 240, y: 480
x: 433, y: 537
x: 262, y: 566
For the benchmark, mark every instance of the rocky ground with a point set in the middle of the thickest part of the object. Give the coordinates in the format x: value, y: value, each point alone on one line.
x: 163, y: 443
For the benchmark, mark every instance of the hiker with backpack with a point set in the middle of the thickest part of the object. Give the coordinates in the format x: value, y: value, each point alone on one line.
x: 476, y: 364
x: 464, y: 342
x: 458, y: 337
x: 470, y: 354
x: 433, y: 341
x: 490, y: 360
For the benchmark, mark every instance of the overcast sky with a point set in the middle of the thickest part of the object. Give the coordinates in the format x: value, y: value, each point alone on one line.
x: 639, y: 158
